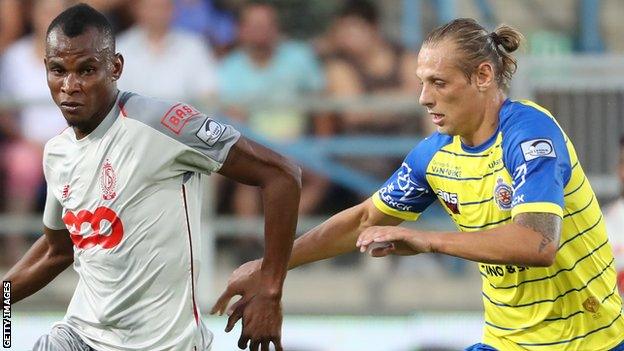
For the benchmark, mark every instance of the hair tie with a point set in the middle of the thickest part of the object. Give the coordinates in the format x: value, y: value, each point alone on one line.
x: 495, y: 38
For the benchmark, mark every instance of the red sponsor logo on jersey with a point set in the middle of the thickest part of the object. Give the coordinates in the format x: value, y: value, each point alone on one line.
x: 107, y: 239
x: 65, y: 193
x: 178, y: 116
x: 451, y: 200
x: 108, y: 180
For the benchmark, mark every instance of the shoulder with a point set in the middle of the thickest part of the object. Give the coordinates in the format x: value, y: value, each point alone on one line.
x: 296, y: 51
x: 57, y: 146
x: 186, y: 40
x: 422, y: 154
x: 156, y: 113
x: 525, y: 122
x: 524, y: 116
x: 233, y: 59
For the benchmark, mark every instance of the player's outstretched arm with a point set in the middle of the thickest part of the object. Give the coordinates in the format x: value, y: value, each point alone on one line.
x: 334, y: 237
x: 531, y: 240
x: 279, y: 181
x: 51, y: 254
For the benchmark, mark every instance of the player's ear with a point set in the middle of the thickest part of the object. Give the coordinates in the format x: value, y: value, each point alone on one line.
x: 485, y: 76
x: 118, y: 62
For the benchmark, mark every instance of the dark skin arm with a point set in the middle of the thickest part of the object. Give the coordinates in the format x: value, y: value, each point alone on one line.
x: 531, y: 240
x: 51, y: 254
x: 280, y: 184
x: 334, y: 237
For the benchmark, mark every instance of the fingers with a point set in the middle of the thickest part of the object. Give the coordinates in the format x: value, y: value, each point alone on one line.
x: 265, y: 346
x: 237, y: 313
x: 382, y: 251
x: 223, y: 301
x: 278, y: 344
x: 377, y: 235
x: 242, y: 341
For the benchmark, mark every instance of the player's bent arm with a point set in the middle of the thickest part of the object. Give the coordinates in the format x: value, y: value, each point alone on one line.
x: 338, y: 234
x: 531, y: 240
x: 280, y: 183
x: 51, y: 254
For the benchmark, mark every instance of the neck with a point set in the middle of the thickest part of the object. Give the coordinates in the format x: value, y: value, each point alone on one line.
x: 261, y: 56
x: 487, y: 123
x: 86, y: 129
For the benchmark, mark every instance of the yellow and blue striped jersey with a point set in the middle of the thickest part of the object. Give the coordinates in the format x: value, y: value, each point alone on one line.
x: 528, y: 165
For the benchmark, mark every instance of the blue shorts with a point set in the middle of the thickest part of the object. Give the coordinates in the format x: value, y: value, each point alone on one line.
x: 484, y: 347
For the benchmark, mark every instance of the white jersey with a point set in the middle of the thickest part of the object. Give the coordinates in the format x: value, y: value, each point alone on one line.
x: 129, y: 195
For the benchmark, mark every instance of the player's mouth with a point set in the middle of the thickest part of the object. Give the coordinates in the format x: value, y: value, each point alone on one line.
x: 70, y: 106
x: 437, y: 118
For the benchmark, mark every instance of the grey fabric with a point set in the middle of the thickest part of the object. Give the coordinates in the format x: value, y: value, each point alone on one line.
x: 61, y: 338
x: 183, y: 123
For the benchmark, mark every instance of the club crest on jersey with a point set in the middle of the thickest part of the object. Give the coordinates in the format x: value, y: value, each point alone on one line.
x: 108, y: 180
x: 211, y: 132
x: 503, y: 194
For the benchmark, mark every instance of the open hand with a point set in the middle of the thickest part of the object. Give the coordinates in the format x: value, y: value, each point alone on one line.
x: 261, y: 314
x: 397, y: 240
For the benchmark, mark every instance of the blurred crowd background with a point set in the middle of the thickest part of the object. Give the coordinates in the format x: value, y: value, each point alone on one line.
x: 331, y: 84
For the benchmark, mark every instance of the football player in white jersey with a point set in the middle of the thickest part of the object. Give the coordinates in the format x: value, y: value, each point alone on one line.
x: 123, y: 206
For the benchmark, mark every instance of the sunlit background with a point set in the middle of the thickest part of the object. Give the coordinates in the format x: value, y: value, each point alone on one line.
x: 332, y: 85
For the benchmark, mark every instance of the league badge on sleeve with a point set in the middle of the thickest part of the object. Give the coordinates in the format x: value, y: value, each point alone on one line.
x: 211, y: 132
x: 503, y: 194
x: 535, y: 148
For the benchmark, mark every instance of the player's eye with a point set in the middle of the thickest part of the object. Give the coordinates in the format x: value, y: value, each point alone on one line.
x: 57, y: 71
x: 88, y: 70
x: 439, y: 83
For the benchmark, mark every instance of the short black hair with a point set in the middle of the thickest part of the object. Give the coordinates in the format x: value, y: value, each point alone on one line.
x: 75, y: 20
x: 363, y: 9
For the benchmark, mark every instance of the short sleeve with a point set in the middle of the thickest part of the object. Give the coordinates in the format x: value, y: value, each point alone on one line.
x: 53, y: 211
x: 205, y: 141
x: 406, y: 194
x: 536, y: 155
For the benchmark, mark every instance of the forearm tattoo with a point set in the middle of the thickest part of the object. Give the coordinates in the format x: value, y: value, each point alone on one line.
x: 547, y: 224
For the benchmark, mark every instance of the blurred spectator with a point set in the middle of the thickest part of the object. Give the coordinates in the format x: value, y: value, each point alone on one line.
x: 164, y: 62
x: 208, y: 18
x: 116, y: 11
x: 360, y: 62
x: 614, y: 218
x: 260, y: 83
x: 12, y: 23
x: 363, y: 63
x: 23, y: 80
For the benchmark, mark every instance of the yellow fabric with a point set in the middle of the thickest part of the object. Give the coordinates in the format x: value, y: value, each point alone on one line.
x: 544, y: 207
x: 571, y: 305
x: 381, y: 206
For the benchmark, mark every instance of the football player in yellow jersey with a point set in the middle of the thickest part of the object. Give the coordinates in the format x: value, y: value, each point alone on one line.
x: 511, y: 181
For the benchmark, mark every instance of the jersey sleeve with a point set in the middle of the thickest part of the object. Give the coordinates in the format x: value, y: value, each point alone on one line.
x: 406, y: 194
x: 536, y: 155
x: 204, y: 141
x: 53, y: 211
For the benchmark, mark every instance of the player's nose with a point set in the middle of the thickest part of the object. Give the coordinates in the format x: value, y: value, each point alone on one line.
x: 71, y: 84
x: 426, y: 98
